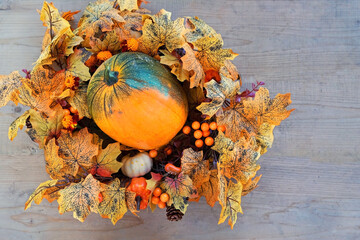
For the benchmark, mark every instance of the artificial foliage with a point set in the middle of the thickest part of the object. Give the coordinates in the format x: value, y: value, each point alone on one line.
x: 216, y: 153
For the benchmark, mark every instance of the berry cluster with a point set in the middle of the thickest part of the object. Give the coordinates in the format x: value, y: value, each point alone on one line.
x: 202, y: 132
x: 159, y: 198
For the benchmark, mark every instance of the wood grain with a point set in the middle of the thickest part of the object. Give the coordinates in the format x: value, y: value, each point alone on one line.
x: 310, y: 187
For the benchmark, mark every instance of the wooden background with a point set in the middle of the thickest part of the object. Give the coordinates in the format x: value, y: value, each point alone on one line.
x: 310, y: 187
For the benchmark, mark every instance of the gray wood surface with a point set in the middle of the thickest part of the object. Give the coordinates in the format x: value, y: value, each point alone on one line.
x: 310, y: 187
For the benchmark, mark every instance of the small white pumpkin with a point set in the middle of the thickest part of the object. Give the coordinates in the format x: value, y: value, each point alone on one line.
x: 136, y: 166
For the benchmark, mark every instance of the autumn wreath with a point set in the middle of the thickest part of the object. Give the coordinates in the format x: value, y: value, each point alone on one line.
x: 135, y: 110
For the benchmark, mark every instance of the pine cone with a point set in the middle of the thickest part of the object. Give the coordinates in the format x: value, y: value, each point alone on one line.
x: 173, y: 214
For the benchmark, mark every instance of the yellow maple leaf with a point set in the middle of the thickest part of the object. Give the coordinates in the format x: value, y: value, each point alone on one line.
x: 129, y: 5
x: 195, y: 95
x: 44, y: 128
x: 131, y: 202
x: 8, y: 84
x: 77, y: 150
x: 265, y: 137
x: 209, y: 51
x: 81, y: 198
x: 218, y: 93
x: 198, y: 29
x: 159, y: 30
x: 229, y: 70
x: 210, y: 189
x: 18, y: 123
x: 238, y: 160
x: 38, y: 195
x: 111, y: 42
x: 76, y: 64
x: 78, y: 100
x: 113, y: 205
x: 175, y: 65
x: 250, y: 185
x: 230, y: 200
x: 193, y: 164
x: 268, y: 110
x: 193, y: 66
x: 52, y: 19
x: 180, y: 190
x: 106, y: 159
x: 55, y: 165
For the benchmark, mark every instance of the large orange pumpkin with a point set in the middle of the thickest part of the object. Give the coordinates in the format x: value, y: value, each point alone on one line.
x: 137, y: 101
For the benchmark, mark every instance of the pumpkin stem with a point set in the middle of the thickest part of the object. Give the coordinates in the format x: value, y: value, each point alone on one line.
x: 111, y: 77
x: 138, y: 201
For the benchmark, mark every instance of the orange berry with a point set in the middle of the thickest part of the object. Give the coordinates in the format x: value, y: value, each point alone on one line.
x: 221, y: 128
x: 213, y: 126
x: 186, y: 130
x: 74, y: 110
x: 66, y: 112
x: 157, y: 192
x: 164, y: 197
x: 132, y: 44
x: 161, y: 205
x: 153, y: 153
x: 206, y: 134
x: 155, y: 200
x: 205, y: 127
x: 198, y: 134
x: 104, y: 55
x: 168, y: 151
x: 209, y: 141
x: 199, y: 143
x: 195, y: 125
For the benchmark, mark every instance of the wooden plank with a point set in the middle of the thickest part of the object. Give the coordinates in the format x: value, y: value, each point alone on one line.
x: 310, y: 187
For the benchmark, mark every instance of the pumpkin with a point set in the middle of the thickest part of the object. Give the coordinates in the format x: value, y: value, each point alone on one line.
x: 136, y: 166
x: 136, y: 101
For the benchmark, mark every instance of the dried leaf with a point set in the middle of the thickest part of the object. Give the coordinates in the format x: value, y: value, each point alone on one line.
x: 180, y: 190
x: 265, y: 137
x: 52, y: 19
x: 192, y: 65
x: 218, y: 93
x: 76, y: 64
x: 113, y: 205
x: 230, y: 200
x: 111, y: 42
x: 193, y: 164
x: 130, y: 202
x: 237, y: 159
x: 159, y: 30
x: 39, y: 194
x: 77, y: 150
x: 69, y: 15
x: 199, y: 29
x: 250, y: 185
x: 106, y: 159
x: 79, y: 101
x: 210, y: 52
x: 18, y: 123
x: 128, y: 5
x: 8, y: 84
x: 55, y: 165
x: 175, y: 65
x: 44, y: 128
x: 81, y: 198
x: 210, y: 189
x: 229, y: 70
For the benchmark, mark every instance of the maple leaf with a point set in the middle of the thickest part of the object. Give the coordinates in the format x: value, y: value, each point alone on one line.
x: 237, y: 159
x: 129, y: 5
x: 175, y: 65
x: 131, y: 202
x: 55, y: 165
x: 106, y: 159
x: 193, y: 66
x: 44, y: 128
x: 265, y: 137
x: 193, y: 164
x: 250, y: 185
x: 69, y: 15
x: 81, y: 198
x: 41, y: 191
x: 111, y: 42
x: 218, y: 93
x: 98, y: 15
x: 209, y: 51
x: 52, y: 19
x: 210, y: 189
x: 229, y: 70
x: 8, y: 84
x: 78, y: 100
x: 76, y: 64
x: 268, y: 110
x: 113, y: 205
x: 18, y: 123
x: 195, y: 95
x: 159, y: 30
x: 77, y: 150
x: 249, y: 114
x: 198, y: 29
x: 180, y: 190
x: 230, y: 200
